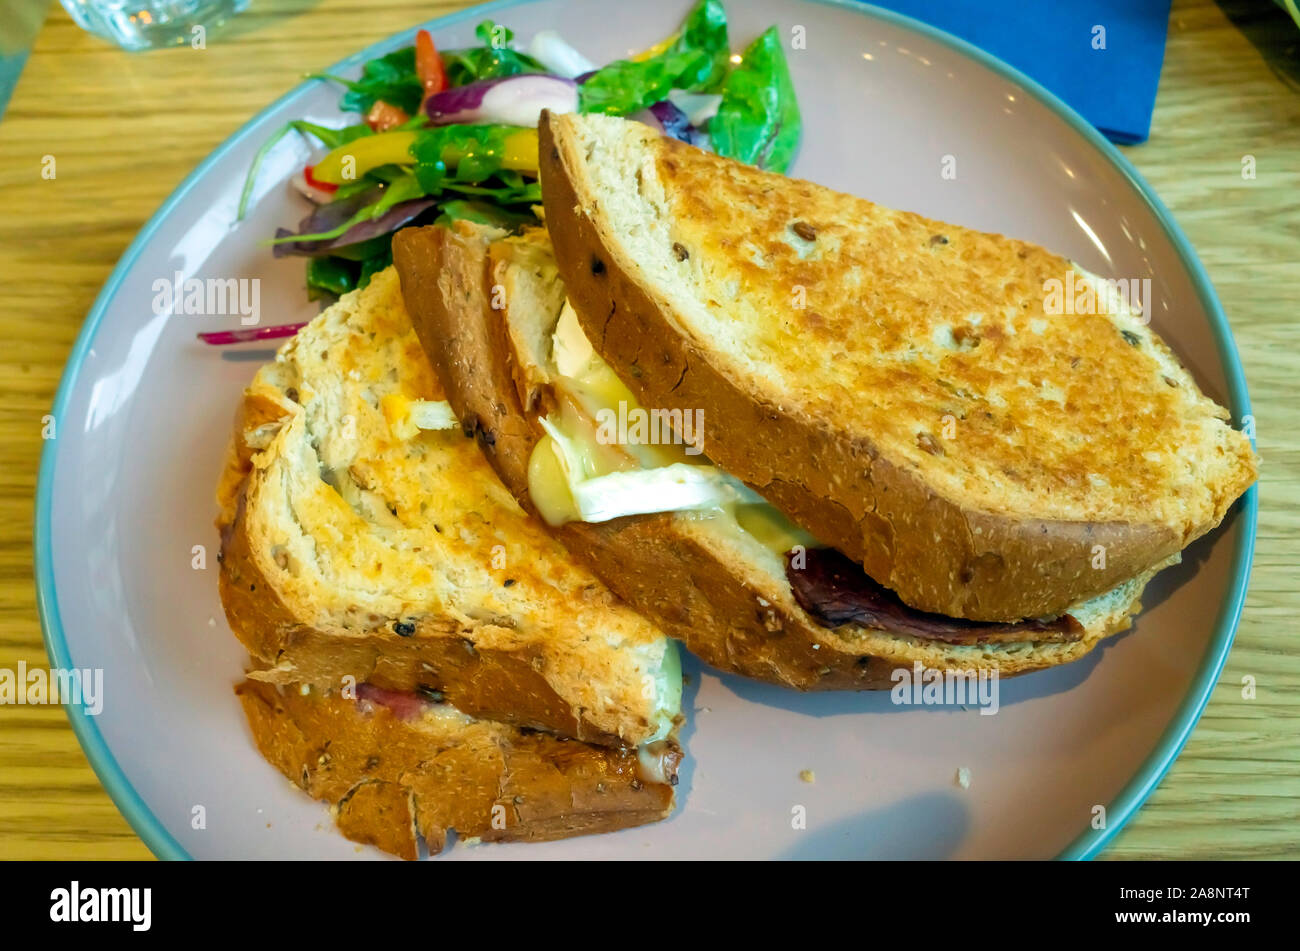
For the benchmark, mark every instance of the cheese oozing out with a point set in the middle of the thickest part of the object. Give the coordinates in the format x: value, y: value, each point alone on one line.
x: 578, y: 473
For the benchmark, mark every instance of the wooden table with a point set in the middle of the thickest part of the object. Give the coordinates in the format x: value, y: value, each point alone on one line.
x: 125, y: 129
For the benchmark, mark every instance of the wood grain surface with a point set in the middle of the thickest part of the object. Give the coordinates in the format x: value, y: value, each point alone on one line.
x: 125, y: 129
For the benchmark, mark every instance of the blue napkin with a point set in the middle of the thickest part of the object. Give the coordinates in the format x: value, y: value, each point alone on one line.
x: 1052, y: 41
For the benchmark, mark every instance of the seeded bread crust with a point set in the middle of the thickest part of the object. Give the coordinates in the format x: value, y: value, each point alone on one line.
x: 681, y: 267
x: 376, y: 588
x: 722, y: 593
x: 391, y: 781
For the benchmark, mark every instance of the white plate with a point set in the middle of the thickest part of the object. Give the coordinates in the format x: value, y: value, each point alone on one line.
x: 144, y: 413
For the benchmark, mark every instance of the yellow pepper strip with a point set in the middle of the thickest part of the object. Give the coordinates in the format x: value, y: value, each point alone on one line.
x: 521, y: 151
x: 655, y: 50
x: 353, y: 159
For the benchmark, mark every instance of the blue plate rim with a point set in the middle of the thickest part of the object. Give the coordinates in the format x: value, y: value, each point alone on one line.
x: 1118, y: 812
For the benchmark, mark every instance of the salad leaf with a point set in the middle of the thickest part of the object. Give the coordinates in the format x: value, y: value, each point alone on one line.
x: 331, y: 137
x: 484, y: 213
x: 530, y: 194
x: 372, y: 266
x: 330, y: 277
x: 348, y: 189
x: 391, y: 78
x: 351, y: 247
x: 329, y: 216
x: 758, y: 121
x: 372, y: 207
x: 696, y: 60
x: 505, y: 187
x: 492, y: 60
x: 477, y: 151
x: 705, y: 28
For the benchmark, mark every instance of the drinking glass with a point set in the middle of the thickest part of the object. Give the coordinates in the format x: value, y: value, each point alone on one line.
x: 148, y: 24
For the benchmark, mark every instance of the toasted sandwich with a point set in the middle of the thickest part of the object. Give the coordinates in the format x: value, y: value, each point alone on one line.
x: 542, y: 352
x: 424, y: 655
x: 827, y: 341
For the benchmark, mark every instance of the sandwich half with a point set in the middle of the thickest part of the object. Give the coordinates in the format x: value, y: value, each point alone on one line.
x: 369, y: 551
x: 901, y: 388
x: 689, y: 546
x: 397, y: 768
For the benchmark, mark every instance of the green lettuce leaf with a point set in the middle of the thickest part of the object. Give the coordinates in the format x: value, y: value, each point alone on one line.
x: 758, y: 121
x: 484, y: 213
x: 372, y: 266
x: 391, y: 78
x: 696, y: 61
x: 330, y: 277
x: 477, y: 148
x: 493, y: 59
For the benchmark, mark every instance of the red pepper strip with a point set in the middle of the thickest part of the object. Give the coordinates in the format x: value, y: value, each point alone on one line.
x: 222, y: 337
x: 314, y: 182
x: 428, y: 64
x: 383, y: 116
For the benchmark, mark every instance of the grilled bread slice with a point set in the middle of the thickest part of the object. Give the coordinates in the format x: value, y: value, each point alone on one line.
x: 395, y: 768
x: 357, y: 545
x: 893, y: 384
x: 486, y: 306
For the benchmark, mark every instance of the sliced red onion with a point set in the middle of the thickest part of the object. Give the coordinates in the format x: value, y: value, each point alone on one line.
x: 671, y: 121
x: 221, y: 338
x: 550, y: 49
x: 394, y: 218
x: 509, y: 100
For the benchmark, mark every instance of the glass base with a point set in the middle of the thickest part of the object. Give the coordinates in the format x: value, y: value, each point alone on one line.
x: 151, y: 24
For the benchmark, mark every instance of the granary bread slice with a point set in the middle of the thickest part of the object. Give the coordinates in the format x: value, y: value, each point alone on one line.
x: 396, y: 768
x: 360, y: 548
x: 487, y: 306
x: 891, y: 383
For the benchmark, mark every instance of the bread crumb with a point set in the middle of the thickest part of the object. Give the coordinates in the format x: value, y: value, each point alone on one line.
x: 807, y: 775
x: 212, y: 622
x: 963, y: 777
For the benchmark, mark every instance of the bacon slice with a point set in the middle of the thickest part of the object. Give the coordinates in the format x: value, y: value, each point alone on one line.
x: 404, y: 706
x: 836, y: 591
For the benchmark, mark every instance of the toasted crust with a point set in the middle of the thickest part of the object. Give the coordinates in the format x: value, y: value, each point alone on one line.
x: 719, y: 591
x: 427, y: 577
x: 391, y: 781
x: 1000, y: 523
x: 498, y: 683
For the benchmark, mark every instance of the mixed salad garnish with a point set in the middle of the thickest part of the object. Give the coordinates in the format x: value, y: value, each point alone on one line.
x: 452, y: 134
